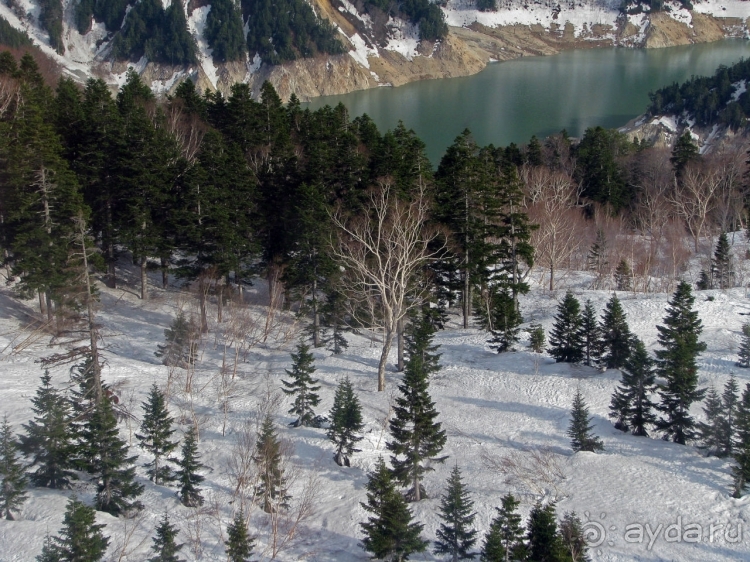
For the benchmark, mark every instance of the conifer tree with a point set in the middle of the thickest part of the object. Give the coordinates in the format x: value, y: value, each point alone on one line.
x: 346, y: 422
x: 456, y: 537
x: 591, y: 332
x: 13, y: 486
x: 744, y: 352
x: 536, y: 338
x: 156, y: 429
x: 107, y: 458
x: 615, y: 335
x: 623, y: 276
x: 504, y: 540
x: 506, y: 321
x: 271, y: 488
x: 580, y: 427
x: 710, y: 431
x: 741, y: 470
x: 239, y: 544
x: 573, y: 539
x: 187, y: 474
x: 417, y: 437
x: 684, y: 152
x: 165, y: 548
x: 49, y: 440
x: 180, y: 347
x: 303, y: 387
x: 676, y: 363
x: 722, y: 268
x: 631, y: 403
x: 566, y: 340
x: 730, y: 401
x: 389, y: 531
x: 80, y: 539
x: 597, y: 256
x: 544, y: 542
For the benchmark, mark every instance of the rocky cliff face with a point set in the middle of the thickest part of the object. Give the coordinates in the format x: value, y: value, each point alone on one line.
x: 386, y: 51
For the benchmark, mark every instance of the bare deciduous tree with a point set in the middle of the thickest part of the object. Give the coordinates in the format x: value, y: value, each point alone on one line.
x: 551, y: 199
x: 694, y: 197
x: 383, y: 251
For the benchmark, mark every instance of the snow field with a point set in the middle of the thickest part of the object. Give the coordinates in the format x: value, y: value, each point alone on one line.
x: 491, y: 405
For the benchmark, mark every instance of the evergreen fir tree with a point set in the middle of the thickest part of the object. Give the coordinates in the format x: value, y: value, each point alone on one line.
x: 107, y: 457
x: 566, y: 340
x: 684, y: 152
x: 591, y: 332
x: 631, y: 403
x: 456, y: 537
x: 165, y: 548
x: 156, y: 429
x: 722, y: 268
x: 544, y: 542
x: 13, y: 486
x: 741, y: 470
x: 303, y: 387
x: 504, y: 540
x: 272, y: 484
x: 710, y: 431
x: 597, y: 256
x: 677, y: 365
x: 417, y: 437
x: 744, y: 351
x: 346, y: 422
x: 623, y: 276
x: 615, y: 335
x: 536, y: 338
x: 239, y: 544
x: 80, y: 539
x: 730, y: 401
x: 580, y: 427
x: 704, y: 281
x: 180, y: 347
x: 187, y: 474
x: 49, y: 440
x: 573, y: 539
x: 389, y: 532
x: 506, y: 321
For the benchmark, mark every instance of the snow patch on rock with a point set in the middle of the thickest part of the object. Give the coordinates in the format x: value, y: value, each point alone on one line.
x: 404, y: 38
x: 196, y: 24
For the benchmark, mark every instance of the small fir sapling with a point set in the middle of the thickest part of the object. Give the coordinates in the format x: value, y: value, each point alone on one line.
x: 156, y: 430
x: 49, y: 438
x: 390, y: 533
x: 239, y: 543
x: 303, y: 387
x: 80, y: 538
x: 346, y: 422
x: 536, y: 338
x: 13, y: 479
x: 456, y: 535
x: 566, y: 339
x: 187, y: 473
x: 165, y: 548
x: 504, y: 540
x: 579, y: 431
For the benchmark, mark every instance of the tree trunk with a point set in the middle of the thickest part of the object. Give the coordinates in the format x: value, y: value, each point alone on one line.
x: 202, y: 298
x: 551, y: 276
x: 164, y: 273
x: 467, y: 298
x: 316, y: 315
x: 111, y: 273
x: 42, y: 304
x: 387, y: 342
x: 144, y: 279
x: 220, y: 300
x: 48, y: 299
x: 400, y: 343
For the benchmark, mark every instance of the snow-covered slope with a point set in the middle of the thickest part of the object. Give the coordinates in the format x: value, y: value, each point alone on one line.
x: 389, y: 52
x: 492, y: 406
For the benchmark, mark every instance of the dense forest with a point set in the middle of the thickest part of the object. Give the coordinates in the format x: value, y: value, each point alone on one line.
x: 425, y: 14
x: 708, y: 100
x: 11, y: 37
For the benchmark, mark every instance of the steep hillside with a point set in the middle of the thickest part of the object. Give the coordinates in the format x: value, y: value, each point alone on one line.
x: 337, y: 46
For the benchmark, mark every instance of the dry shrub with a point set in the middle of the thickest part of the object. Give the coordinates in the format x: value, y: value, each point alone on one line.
x: 538, y: 471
